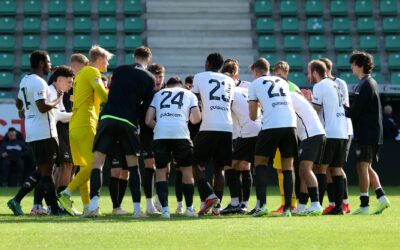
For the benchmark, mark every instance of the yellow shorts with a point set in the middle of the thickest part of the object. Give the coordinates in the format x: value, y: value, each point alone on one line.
x: 81, y: 142
x: 277, y: 160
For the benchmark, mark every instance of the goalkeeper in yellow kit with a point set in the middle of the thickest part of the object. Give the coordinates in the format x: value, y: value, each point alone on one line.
x: 88, y: 86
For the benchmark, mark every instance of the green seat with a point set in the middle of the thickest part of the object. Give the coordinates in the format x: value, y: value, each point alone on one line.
x: 317, y: 43
x: 263, y: 8
x: 30, y: 42
x: 342, y: 61
x: 315, y: 56
x: 26, y: 64
x: 288, y: 8
x: 290, y: 25
x: 394, y: 61
x: 113, y: 62
x: 7, y: 43
x: 82, y: 24
x: 388, y: 7
x: 368, y: 42
x: 296, y: 61
x: 107, y: 7
x: 108, y: 42
x: 31, y: 25
x: 56, y: 7
x: 32, y: 7
x: 271, y: 58
x: 7, y: 61
x: 264, y: 25
x: 56, y: 42
x: 339, y: 7
x: 395, y: 78
x: 348, y: 77
x: 133, y: 25
x: 82, y: 7
x: 363, y: 8
x: 8, y: 7
x: 82, y: 42
x: 391, y: 25
x: 128, y: 59
x: 56, y: 24
x: 314, y: 8
x: 379, y: 78
x: 341, y: 25
x: 292, y: 43
x: 58, y: 59
x: 392, y: 42
x: 131, y: 42
x: 365, y: 25
x: 132, y: 7
x: 377, y: 60
x: 299, y: 78
x: 267, y: 43
x: 6, y: 79
x: 315, y: 25
x: 6, y: 95
x: 7, y: 25
x: 343, y: 43
x: 107, y: 24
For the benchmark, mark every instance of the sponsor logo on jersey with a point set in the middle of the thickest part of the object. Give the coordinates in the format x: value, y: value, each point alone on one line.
x: 40, y: 93
x: 219, y: 108
x: 167, y: 114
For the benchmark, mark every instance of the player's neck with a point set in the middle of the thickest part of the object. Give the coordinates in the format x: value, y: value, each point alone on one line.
x: 361, y: 75
x: 38, y: 72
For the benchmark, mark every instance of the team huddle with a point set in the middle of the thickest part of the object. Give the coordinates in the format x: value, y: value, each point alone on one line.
x: 81, y: 121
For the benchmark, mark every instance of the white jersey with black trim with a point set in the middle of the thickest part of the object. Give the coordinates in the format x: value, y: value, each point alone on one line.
x: 38, y: 126
x: 173, y: 107
x: 243, y: 84
x: 60, y: 114
x: 308, y: 123
x: 243, y: 126
x: 273, y: 94
x: 327, y: 95
x: 216, y: 94
x: 345, y: 93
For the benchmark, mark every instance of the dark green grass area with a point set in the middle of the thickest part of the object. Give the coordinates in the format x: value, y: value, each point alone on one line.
x: 228, y: 232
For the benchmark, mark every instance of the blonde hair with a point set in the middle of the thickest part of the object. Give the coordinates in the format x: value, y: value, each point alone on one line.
x: 96, y: 52
x: 282, y: 65
x: 79, y: 58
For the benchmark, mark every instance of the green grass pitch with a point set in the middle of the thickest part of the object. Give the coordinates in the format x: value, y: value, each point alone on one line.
x: 229, y: 232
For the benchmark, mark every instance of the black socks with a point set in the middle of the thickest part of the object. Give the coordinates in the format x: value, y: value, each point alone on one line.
x: 321, y: 178
x: 96, y: 181
x: 113, y: 188
x: 178, y: 186
x: 188, y: 191
x: 288, y: 187
x: 148, y: 182
x: 247, y: 181
x: 134, y: 183
x: 261, y: 184
x: 162, y: 192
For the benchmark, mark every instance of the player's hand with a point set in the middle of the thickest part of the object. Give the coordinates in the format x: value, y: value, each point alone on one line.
x: 21, y: 114
x: 307, y: 94
x: 60, y: 94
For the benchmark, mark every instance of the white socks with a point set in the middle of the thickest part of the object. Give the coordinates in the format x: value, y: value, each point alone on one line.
x: 235, y: 201
x: 94, y: 203
x: 136, y: 207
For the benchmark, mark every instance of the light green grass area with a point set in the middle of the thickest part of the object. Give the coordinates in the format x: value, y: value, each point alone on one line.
x: 229, y: 232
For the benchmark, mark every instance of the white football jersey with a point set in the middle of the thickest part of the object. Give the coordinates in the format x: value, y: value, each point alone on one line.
x: 60, y: 114
x: 345, y: 93
x: 38, y: 126
x: 308, y: 123
x: 243, y: 126
x: 273, y: 94
x: 243, y: 84
x: 216, y: 93
x: 172, y: 107
x: 326, y: 94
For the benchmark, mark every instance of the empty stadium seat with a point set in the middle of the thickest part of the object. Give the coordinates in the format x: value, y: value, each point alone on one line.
x: 342, y: 61
x: 343, y: 43
x: 132, y: 7
x: 292, y: 43
x: 317, y: 43
x: 112, y: 63
x: 6, y: 79
x: 267, y: 43
x: 128, y: 59
x: 7, y: 61
x: 8, y: 7
x: 31, y: 25
x: 32, y: 7
x: 314, y: 8
x: 339, y: 7
x: 388, y: 7
x: 295, y: 61
x: 377, y: 60
x: 363, y: 8
x: 379, y: 78
x: 56, y: 24
x: 7, y: 25
x: 290, y: 25
x: 341, y: 25
x: 391, y: 25
x: 271, y: 58
x: 82, y: 24
x: 7, y: 43
x: 368, y: 42
x: 107, y: 24
x: 365, y: 25
x: 108, y: 41
x: 58, y: 59
x: 82, y: 42
x: 348, y: 77
x: 299, y: 78
x: 30, y: 42
x: 394, y: 61
x: 56, y: 7
x: 82, y: 7
x: 56, y: 42
x: 6, y: 95
x: 263, y: 25
x: 288, y: 8
x: 131, y: 42
x: 395, y: 78
x: 315, y: 25
x: 133, y: 25
x: 392, y: 42
x: 318, y: 56
x: 107, y: 7
x: 25, y: 61
x: 263, y: 8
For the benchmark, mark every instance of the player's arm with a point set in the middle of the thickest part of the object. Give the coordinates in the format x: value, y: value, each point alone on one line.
x: 19, y: 104
x: 195, y: 115
x: 317, y: 97
x: 253, y: 110
x: 150, y: 117
x: 44, y: 106
x: 63, y: 117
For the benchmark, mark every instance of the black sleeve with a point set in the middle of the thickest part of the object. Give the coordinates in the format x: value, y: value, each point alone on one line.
x: 361, y: 99
x: 2, y: 147
x: 148, y: 95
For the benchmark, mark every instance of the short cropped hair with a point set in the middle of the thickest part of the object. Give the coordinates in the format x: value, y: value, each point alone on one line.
x: 363, y: 60
x: 189, y: 79
x: 319, y: 67
x: 230, y: 68
x: 328, y: 63
x: 142, y: 53
x: 156, y: 69
x: 214, y: 62
x: 62, y: 70
x: 36, y: 57
x: 261, y: 65
x: 282, y: 65
x: 174, y: 80
x: 97, y: 52
x: 79, y: 58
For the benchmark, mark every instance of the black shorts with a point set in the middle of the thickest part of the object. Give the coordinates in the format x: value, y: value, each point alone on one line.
x: 312, y: 149
x: 216, y: 145
x: 367, y: 153
x: 63, y: 141
x: 110, y: 132
x: 243, y: 149
x: 180, y: 149
x: 146, y: 143
x: 45, y: 151
x: 116, y: 159
x: 335, y: 153
x: 270, y: 139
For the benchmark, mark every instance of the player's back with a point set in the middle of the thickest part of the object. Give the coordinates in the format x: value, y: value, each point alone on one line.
x: 216, y: 93
x: 173, y: 107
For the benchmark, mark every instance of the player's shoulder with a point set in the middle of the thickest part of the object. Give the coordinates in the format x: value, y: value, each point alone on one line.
x: 89, y: 71
x: 340, y: 81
